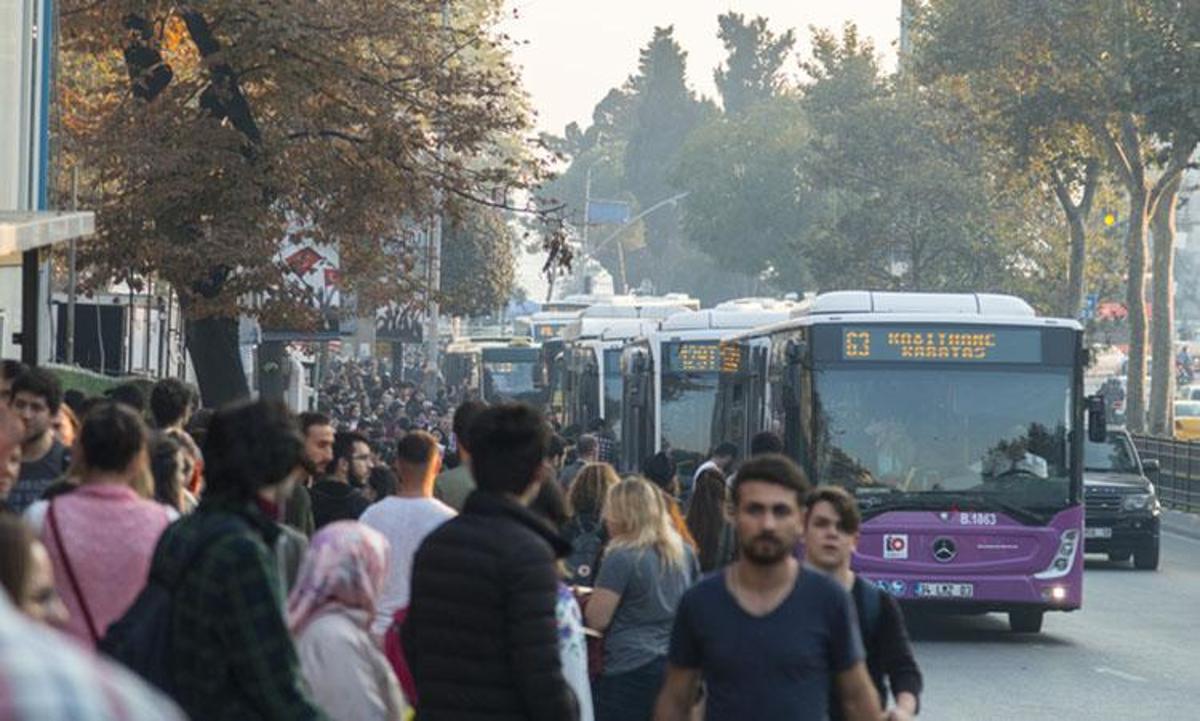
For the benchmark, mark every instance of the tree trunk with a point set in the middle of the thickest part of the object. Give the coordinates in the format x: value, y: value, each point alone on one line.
x: 1162, y: 380
x: 1077, y: 215
x: 213, y: 345
x: 273, y: 370
x: 1073, y: 303
x: 1135, y: 248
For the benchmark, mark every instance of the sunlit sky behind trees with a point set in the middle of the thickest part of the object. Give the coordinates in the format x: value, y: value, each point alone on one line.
x: 573, y: 51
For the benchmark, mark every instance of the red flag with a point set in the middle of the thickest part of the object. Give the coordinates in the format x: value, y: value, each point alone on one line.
x: 303, y: 261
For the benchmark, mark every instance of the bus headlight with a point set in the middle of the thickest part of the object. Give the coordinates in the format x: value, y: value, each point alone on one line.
x: 1054, y: 594
x: 1064, y: 558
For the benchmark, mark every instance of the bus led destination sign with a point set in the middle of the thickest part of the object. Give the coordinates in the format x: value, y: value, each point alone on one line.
x: 696, y: 357
x: 945, y: 345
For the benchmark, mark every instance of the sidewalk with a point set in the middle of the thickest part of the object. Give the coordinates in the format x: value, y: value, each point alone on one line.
x: 1183, y: 524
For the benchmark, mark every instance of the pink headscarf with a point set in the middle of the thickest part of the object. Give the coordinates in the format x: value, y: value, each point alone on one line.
x: 346, y: 564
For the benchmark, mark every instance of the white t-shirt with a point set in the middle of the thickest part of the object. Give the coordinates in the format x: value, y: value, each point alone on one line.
x: 405, y: 522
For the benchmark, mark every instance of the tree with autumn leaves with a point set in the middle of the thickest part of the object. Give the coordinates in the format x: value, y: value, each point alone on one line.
x: 1081, y: 87
x: 205, y: 134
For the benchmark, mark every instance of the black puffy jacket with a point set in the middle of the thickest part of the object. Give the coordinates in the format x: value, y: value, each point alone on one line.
x: 481, y: 636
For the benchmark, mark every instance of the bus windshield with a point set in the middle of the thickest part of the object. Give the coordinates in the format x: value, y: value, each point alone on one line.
x: 987, y: 438
x: 612, y: 389
x: 688, y: 399
x: 508, y: 376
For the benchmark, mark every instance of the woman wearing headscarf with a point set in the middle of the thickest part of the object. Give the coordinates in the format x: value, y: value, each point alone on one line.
x: 329, y: 613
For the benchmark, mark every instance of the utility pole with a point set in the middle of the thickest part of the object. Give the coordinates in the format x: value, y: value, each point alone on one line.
x: 587, y: 207
x: 72, y: 274
x: 435, y: 236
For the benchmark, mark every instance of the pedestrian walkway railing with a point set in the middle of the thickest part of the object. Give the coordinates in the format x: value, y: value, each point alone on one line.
x: 1178, y: 477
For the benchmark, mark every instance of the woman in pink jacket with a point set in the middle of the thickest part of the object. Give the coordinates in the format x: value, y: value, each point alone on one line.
x: 101, y: 536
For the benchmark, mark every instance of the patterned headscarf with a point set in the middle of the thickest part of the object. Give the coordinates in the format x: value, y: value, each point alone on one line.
x: 346, y: 564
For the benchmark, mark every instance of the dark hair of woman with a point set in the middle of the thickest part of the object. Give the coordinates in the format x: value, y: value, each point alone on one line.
x: 550, y: 503
x: 590, y: 488
x: 165, y: 466
x: 16, y: 556
x: 706, y: 517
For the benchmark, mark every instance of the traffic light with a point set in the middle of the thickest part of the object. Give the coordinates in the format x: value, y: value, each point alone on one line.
x: 1110, y: 218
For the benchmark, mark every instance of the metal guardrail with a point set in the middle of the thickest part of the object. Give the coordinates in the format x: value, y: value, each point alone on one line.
x: 1178, y: 477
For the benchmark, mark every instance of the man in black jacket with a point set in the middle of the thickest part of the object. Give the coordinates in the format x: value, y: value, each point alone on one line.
x: 336, y: 497
x: 480, y: 635
x: 830, y: 537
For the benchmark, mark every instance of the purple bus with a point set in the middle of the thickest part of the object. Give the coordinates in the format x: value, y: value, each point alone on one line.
x: 957, y: 422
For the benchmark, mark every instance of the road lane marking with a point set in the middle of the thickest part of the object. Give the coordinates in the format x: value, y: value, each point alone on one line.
x: 1120, y: 674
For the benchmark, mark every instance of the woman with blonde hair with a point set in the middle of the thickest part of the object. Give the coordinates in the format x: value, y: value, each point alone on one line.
x: 585, y: 531
x: 644, y: 573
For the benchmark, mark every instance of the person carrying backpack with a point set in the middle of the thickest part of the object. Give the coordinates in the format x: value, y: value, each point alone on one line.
x: 830, y: 537
x: 209, y: 627
x: 585, y: 531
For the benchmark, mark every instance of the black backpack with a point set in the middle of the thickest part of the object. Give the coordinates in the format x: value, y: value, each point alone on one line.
x: 870, y: 608
x: 587, y: 543
x: 141, y: 638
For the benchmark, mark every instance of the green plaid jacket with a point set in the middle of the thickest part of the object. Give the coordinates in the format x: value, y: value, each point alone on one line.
x: 232, y: 655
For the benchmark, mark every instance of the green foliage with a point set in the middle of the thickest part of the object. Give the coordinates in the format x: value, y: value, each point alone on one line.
x: 753, y: 72
x: 478, y: 265
x: 665, y: 111
x: 743, y: 175
x: 1108, y: 77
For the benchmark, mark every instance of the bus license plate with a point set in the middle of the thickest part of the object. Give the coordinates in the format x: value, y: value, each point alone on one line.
x: 945, y: 590
x: 1097, y: 533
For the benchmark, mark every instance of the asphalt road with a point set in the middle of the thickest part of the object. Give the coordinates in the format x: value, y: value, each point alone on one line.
x: 1132, y: 652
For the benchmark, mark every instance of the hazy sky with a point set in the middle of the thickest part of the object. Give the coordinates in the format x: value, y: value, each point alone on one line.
x: 573, y: 51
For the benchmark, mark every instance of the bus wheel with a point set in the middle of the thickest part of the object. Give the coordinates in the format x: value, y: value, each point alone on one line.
x: 1026, y: 620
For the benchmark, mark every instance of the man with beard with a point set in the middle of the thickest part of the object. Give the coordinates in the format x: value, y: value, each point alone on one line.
x: 35, y: 396
x: 770, y: 639
x: 337, y: 497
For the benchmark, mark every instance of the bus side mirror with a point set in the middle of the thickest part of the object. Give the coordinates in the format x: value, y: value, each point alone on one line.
x: 1151, y: 465
x: 1097, y: 419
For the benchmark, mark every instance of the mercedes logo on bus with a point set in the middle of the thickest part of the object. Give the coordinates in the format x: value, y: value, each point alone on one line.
x: 944, y: 550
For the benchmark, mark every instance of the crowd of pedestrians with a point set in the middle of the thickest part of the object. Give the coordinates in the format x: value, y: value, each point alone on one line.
x: 356, y: 564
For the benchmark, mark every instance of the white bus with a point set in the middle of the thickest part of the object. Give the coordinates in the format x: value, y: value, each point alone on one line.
x: 591, y: 360
x: 670, y: 381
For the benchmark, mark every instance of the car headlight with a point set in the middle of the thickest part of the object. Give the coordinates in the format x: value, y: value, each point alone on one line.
x: 1137, y: 501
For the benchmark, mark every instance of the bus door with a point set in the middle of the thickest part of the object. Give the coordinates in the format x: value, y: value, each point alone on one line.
x: 637, y: 410
x: 756, y: 403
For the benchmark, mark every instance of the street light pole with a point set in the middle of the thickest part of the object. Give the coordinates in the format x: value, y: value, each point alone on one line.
x: 629, y: 223
x: 72, y: 274
x: 435, y: 238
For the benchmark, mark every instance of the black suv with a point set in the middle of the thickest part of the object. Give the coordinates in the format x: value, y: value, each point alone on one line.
x: 1122, y: 509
